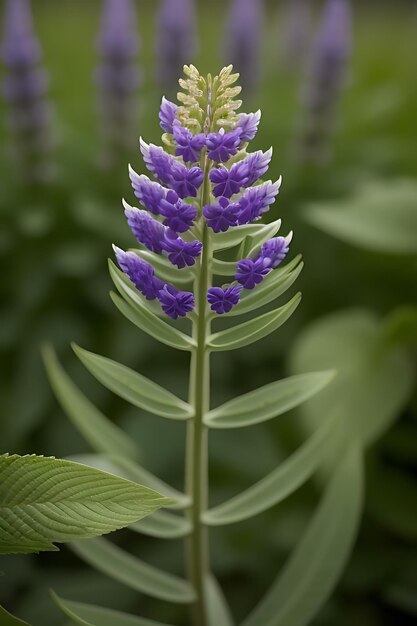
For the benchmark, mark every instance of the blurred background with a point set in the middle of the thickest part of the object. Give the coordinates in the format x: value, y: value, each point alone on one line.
x: 336, y: 82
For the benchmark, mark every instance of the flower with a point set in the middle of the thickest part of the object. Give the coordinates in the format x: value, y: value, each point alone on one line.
x: 223, y: 299
x: 186, y: 205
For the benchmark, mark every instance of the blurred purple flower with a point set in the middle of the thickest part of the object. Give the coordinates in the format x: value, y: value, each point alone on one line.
x: 117, y: 75
x: 24, y: 89
x: 327, y: 77
x: 295, y: 33
x: 243, y: 40
x: 176, y: 39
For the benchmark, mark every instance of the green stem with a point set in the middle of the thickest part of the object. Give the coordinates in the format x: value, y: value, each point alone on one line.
x: 196, y: 454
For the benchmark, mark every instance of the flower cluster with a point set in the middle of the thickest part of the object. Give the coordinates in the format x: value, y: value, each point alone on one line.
x: 205, y: 181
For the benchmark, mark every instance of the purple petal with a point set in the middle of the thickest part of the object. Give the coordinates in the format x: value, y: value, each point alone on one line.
x: 167, y: 114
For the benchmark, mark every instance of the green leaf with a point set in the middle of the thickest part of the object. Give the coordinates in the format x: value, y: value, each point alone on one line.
x: 234, y: 236
x: 249, y: 332
x: 133, y: 471
x: 101, y: 434
x: 163, y: 525
x: 134, y: 387
x: 374, y: 380
x: 280, y: 483
x: 148, y: 322
x: 122, y: 566
x: 273, y: 286
x: 224, y: 268
x: 90, y: 615
x: 6, y: 619
x: 319, y: 558
x: 164, y: 268
x: 218, y: 611
x: 268, y: 401
x: 379, y: 216
x: 43, y: 500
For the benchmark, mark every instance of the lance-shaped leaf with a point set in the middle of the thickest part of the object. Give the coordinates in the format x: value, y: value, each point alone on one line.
x: 101, y: 434
x: 134, y: 387
x: 281, y: 482
x: 268, y: 401
x: 122, y: 566
x: 235, y: 235
x: 248, y: 332
x: 274, y: 285
x: 218, y: 611
x: 90, y: 615
x: 131, y: 470
x: 6, y: 619
x: 318, y: 559
x: 224, y: 268
x: 164, y: 268
x: 43, y: 500
x: 154, y: 326
x: 163, y: 525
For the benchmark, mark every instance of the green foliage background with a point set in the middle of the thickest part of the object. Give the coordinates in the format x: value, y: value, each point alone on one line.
x: 54, y: 241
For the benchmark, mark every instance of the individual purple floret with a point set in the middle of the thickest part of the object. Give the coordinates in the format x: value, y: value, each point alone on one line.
x: 221, y: 216
x: 117, y: 74
x: 176, y: 39
x: 174, y: 302
x: 148, y: 192
x: 164, y: 166
x: 179, y: 215
x: 251, y: 272
x: 140, y: 273
x: 243, y: 40
x: 248, y: 123
x: 242, y: 174
x: 181, y: 253
x: 223, y: 299
x: 222, y: 146
x: 327, y: 77
x: 256, y: 201
x: 189, y: 146
x: 167, y: 113
x: 24, y: 89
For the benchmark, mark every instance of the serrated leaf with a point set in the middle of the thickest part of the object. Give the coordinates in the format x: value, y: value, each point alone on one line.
x: 267, y: 401
x: 133, y: 387
x: 234, y: 236
x: 248, y: 332
x: 101, y: 434
x: 281, y: 482
x: 164, y: 268
x: 7, y: 619
x: 163, y: 525
x: 131, y: 470
x: 91, y: 615
x: 45, y: 500
x: 154, y: 326
x: 374, y: 380
x: 318, y: 559
x: 122, y: 566
x: 273, y: 286
x: 218, y: 611
x: 380, y: 217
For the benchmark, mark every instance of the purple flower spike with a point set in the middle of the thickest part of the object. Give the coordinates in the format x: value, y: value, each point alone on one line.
x: 167, y: 114
x: 147, y: 231
x: 189, y: 146
x: 223, y: 299
x: 175, y: 303
x: 140, y: 273
x: 179, y: 215
x: 221, y: 146
x: 251, y: 272
x: 248, y: 123
x: 256, y: 201
x: 181, y: 253
x: 220, y: 217
x: 148, y: 192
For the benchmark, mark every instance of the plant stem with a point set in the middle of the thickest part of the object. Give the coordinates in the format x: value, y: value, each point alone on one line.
x: 197, y: 455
